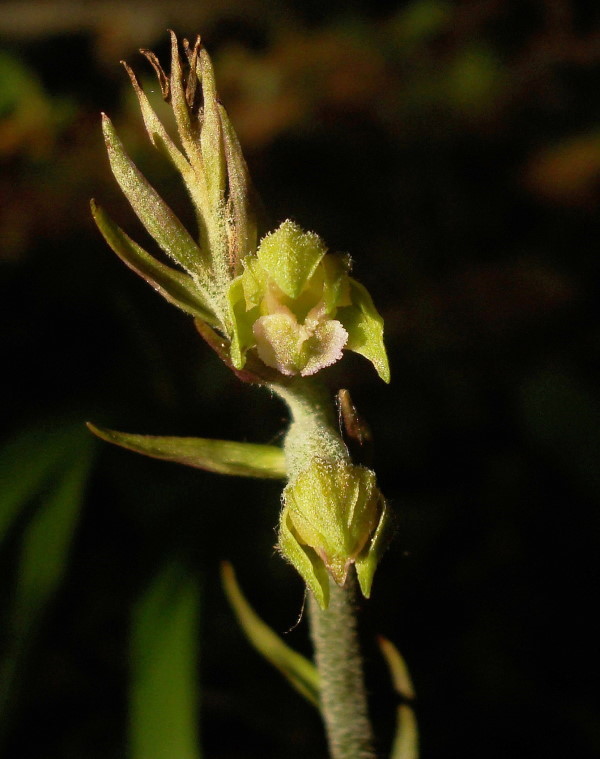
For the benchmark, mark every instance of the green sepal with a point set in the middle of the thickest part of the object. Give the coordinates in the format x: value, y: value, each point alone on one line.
x: 406, y: 739
x: 242, y: 336
x: 365, y: 328
x: 297, y: 669
x: 175, y: 286
x: 366, y: 563
x: 220, y: 456
x: 304, y: 559
x: 335, y: 509
x: 156, y: 216
x: 290, y: 256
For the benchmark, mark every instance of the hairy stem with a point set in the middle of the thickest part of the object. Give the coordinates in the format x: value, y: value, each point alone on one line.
x: 339, y: 662
x: 313, y: 433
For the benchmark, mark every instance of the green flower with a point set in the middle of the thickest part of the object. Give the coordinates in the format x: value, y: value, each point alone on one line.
x: 298, y: 307
x: 333, y: 516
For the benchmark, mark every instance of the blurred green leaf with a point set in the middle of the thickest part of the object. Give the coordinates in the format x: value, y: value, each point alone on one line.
x: 406, y: 740
x: 26, y: 464
x: 220, y: 456
x: 298, y: 670
x: 48, y: 471
x: 164, y: 659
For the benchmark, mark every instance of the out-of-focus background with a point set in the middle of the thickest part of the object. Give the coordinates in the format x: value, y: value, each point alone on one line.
x: 454, y: 150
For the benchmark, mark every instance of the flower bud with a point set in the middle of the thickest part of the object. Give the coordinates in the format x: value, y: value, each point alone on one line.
x: 296, y: 305
x: 333, y: 516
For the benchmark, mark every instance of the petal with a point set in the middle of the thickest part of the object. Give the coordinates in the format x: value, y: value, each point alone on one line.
x: 324, y: 346
x: 280, y: 341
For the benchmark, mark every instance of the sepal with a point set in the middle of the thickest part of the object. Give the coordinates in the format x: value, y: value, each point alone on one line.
x: 365, y: 329
x: 333, y: 516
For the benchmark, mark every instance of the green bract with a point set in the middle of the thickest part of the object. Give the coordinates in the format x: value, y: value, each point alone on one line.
x: 296, y: 304
x: 333, y: 516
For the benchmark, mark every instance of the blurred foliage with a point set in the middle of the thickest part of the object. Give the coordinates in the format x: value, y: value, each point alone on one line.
x: 452, y: 148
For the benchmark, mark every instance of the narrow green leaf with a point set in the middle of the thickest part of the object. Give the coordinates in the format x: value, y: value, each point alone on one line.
x: 159, y: 136
x: 153, y: 212
x: 221, y: 456
x: 175, y: 286
x: 164, y: 659
x: 211, y: 141
x: 298, y: 670
x: 187, y: 131
x: 406, y: 740
x: 244, y: 236
x: 365, y: 329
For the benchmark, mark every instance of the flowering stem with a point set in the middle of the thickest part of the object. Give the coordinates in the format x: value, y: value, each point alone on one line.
x: 313, y: 432
x: 339, y: 663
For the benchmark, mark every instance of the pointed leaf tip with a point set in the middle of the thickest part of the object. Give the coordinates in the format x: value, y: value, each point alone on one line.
x: 219, y: 456
x: 298, y: 670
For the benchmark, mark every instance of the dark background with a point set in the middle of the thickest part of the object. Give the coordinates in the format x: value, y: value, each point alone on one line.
x: 454, y: 150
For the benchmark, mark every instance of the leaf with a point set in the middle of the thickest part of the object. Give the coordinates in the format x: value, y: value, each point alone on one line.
x: 221, y: 456
x: 163, y: 720
x: 26, y: 465
x: 156, y: 216
x: 175, y: 286
x: 211, y: 141
x: 187, y: 132
x: 61, y: 464
x: 406, y: 740
x: 297, y: 669
x: 159, y: 136
x: 365, y: 329
x: 244, y: 222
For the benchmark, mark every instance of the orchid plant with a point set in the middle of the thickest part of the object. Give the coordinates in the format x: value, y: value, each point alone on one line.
x: 278, y: 308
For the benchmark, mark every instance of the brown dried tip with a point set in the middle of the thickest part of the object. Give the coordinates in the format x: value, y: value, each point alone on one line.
x: 355, y: 430
x: 191, y: 87
x: 163, y: 79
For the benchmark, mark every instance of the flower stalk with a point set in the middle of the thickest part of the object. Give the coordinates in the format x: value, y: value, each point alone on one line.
x: 339, y: 662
